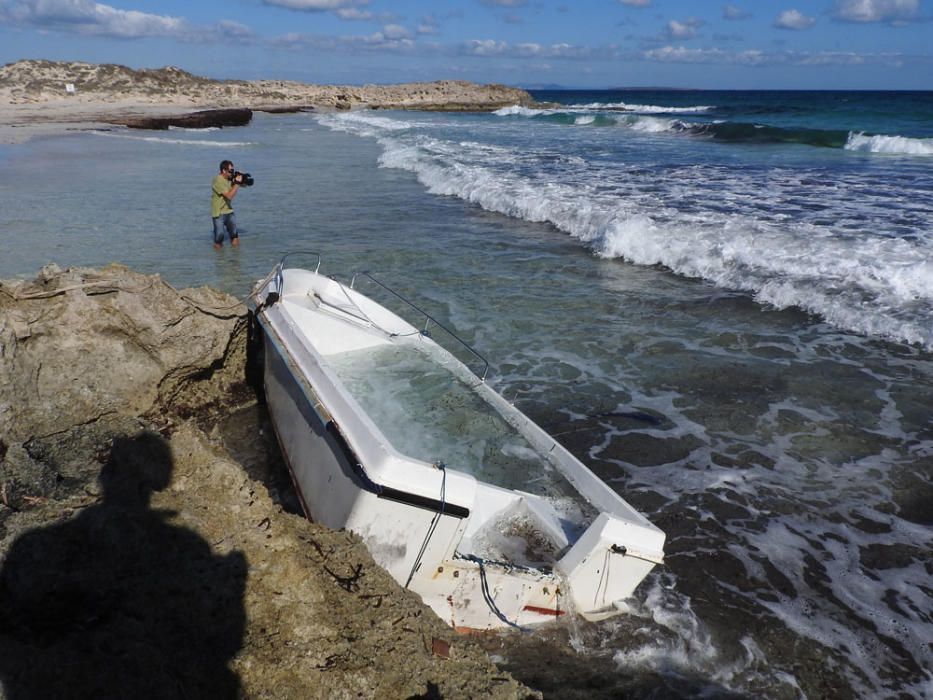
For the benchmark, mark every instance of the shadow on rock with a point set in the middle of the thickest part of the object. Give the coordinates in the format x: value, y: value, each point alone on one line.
x: 117, y: 602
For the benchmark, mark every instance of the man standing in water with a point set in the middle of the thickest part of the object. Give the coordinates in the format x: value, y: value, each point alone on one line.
x: 223, y: 189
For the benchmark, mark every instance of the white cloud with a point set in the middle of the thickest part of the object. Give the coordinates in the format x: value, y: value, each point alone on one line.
x: 551, y: 51
x: 793, y: 19
x: 377, y: 41
x: 93, y: 18
x: 681, y: 54
x: 505, y: 3
x: 732, y: 12
x: 234, y: 30
x: 636, y: 3
x: 349, y: 10
x: 352, y: 13
x: 380, y: 40
x: 395, y: 31
x: 314, y: 5
x: 683, y: 30
x: 893, y: 11
x: 428, y: 25
x: 491, y: 47
x: 485, y: 47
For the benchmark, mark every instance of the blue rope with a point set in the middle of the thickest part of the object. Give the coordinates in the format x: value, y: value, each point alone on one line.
x: 487, y: 595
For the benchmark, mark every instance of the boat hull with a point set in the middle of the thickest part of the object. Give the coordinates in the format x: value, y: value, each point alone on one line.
x: 421, y: 521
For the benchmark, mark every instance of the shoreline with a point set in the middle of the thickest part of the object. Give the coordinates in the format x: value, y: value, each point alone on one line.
x: 46, y: 98
x: 20, y: 125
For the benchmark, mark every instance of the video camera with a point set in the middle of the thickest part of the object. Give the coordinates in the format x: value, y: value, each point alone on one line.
x: 246, y: 180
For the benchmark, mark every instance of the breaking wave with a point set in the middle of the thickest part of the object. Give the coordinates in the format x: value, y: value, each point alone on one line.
x: 901, y: 145
x: 870, y: 285
x: 639, y: 117
x: 519, y: 111
x: 647, y: 109
x: 739, y: 132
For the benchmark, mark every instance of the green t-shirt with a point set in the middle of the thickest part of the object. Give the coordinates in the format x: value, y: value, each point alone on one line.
x: 219, y: 203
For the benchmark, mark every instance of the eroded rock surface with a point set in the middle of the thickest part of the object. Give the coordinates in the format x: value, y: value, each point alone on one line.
x: 141, y: 557
x: 203, y: 119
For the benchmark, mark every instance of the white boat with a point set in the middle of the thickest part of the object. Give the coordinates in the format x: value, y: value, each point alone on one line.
x: 457, y: 494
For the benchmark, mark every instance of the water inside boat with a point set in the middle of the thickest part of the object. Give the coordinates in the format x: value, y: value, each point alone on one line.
x: 428, y: 413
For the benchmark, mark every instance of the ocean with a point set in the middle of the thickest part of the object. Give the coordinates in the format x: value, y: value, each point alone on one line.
x: 722, y: 302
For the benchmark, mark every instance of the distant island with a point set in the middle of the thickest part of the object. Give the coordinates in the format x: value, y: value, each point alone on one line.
x: 659, y: 88
x: 550, y: 87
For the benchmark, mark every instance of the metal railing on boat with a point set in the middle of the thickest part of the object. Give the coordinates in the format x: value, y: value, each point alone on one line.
x: 280, y: 268
x: 429, y: 319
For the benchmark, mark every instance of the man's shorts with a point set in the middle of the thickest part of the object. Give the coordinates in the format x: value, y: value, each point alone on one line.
x: 224, y: 221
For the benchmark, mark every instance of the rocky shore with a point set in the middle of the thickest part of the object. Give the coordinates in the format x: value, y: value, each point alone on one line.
x: 149, y: 544
x: 38, y: 96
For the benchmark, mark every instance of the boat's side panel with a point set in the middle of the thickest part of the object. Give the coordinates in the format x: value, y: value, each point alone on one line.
x: 404, y: 539
x: 401, y: 530
x: 313, y: 457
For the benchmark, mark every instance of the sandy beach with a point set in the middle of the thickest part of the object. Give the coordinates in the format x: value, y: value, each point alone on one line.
x: 40, y: 98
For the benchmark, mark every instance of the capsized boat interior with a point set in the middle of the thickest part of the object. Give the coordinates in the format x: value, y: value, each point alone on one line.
x: 460, y: 496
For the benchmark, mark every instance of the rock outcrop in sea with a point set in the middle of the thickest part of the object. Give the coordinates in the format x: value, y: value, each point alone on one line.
x: 149, y: 544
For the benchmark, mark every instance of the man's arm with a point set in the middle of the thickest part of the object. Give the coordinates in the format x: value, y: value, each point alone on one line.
x: 231, y: 193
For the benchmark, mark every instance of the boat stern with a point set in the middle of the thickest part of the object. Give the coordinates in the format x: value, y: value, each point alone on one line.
x: 607, y: 562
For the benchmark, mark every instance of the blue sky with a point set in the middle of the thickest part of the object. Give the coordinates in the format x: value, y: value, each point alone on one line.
x: 780, y: 44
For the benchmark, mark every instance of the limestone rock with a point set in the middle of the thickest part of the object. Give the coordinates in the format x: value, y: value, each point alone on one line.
x: 80, y: 344
x: 203, y: 119
x: 33, y: 82
x: 139, y: 558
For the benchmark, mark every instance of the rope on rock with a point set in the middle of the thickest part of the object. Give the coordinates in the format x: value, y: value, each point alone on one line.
x: 116, y: 285
x: 61, y: 290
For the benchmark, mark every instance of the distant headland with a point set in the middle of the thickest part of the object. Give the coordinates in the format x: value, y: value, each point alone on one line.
x: 38, y: 96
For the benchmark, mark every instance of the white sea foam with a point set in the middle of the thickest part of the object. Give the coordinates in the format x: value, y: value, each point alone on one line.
x: 183, y: 142
x: 901, y: 145
x: 810, y: 553
x: 787, y: 543
x: 185, y: 128
x: 652, y: 125
x: 685, y: 647
x: 647, y: 109
x: 587, y: 115
x: 860, y: 283
x: 519, y: 111
x: 364, y: 124
x: 790, y: 238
